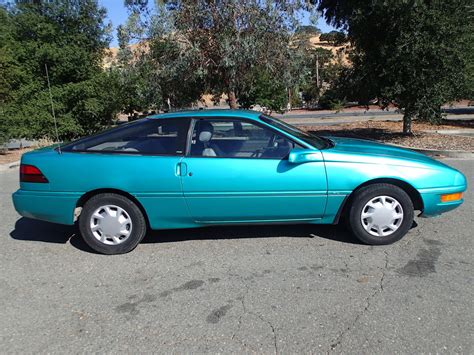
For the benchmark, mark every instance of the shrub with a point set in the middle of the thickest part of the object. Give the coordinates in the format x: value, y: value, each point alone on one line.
x: 330, y: 101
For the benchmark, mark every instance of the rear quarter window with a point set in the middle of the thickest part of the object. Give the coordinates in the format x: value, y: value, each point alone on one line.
x: 148, y: 136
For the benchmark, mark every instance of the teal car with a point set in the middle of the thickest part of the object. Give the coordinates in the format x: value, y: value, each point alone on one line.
x: 224, y: 167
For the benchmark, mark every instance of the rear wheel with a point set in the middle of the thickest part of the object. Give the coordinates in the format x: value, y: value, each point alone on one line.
x: 380, y: 214
x: 112, y: 224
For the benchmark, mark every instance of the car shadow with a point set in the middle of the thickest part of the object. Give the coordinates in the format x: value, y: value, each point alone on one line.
x: 40, y: 231
x: 336, y: 233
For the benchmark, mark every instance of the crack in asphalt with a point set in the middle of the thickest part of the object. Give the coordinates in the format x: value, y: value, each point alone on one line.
x: 338, y: 340
x: 244, y: 309
x: 383, y: 270
x: 259, y: 316
x: 275, y: 343
x: 415, y: 237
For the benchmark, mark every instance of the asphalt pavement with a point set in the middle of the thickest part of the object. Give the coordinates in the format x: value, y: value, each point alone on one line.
x: 265, y: 289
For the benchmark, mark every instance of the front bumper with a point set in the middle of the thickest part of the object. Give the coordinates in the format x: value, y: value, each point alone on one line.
x: 56, y: 207
x: 432, y: 205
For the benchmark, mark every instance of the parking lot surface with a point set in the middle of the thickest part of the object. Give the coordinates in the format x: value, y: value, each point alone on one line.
x: 270, y: 289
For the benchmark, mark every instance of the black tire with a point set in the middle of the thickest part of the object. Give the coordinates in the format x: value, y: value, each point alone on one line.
x: 367, y: 193
x: 138, y: 230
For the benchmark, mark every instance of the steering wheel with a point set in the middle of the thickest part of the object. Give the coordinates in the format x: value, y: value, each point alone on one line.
x: 271, y: 142
x: 270, y: 145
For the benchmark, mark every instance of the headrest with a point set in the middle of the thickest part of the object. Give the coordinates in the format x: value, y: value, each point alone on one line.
x: 205, y: 131
x: 205, y: 136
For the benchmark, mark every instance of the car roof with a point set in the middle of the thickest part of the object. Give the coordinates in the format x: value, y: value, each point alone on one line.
x: 253, y: 115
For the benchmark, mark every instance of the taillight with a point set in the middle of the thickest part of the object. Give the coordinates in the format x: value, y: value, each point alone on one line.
x: 30, y: 173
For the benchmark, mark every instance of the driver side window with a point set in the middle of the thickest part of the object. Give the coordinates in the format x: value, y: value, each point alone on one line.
x: 229, y: 138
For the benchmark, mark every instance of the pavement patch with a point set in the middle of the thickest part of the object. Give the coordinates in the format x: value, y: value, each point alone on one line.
x: 424, y: 263
x: 190, y: 285
x: 216, y: 315
x: 132, y: 307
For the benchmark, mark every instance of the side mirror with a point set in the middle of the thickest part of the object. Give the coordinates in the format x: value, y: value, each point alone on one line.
x: 300, y: 156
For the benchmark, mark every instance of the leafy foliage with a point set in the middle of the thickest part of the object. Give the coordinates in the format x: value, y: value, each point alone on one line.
x: 217, y: 46
x: 469, y: 42
x: 308, y: 30
x: 331, y: 100
x: 334, y: 37
x: 266, y: 91
x: 318, y: 67
x: 69, y: 37
x: 409, y: 53
x: 323, y: 69
x: 137, y: 92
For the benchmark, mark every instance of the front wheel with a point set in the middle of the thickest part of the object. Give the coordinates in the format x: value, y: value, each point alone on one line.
x: 111, y: 224
x: 381, y: 214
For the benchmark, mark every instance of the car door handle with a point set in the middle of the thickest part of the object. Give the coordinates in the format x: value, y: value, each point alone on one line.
x: 181, y: 169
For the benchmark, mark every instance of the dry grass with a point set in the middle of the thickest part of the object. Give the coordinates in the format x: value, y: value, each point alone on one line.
x: 13, y: 155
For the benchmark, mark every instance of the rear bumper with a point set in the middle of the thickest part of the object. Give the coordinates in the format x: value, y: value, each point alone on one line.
x: 56, y: 207
x: 432, y: 205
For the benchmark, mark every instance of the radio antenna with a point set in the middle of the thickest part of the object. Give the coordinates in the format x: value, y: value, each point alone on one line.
x: 52, y: 108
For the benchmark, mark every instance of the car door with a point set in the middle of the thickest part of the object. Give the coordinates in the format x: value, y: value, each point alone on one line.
x: 237, y: 171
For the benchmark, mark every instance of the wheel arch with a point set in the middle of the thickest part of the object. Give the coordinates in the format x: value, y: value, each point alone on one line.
x: 405, y: 186
x: 85, y: 197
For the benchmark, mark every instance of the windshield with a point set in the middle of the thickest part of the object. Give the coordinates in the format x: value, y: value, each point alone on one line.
x: 313, y: 140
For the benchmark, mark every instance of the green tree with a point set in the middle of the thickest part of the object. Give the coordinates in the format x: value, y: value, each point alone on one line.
x: 137, y: 93
x: 318, y: 67
x: 469, y: 41
x: 336, y: 38
x: 266, y: 91
x: 156, y: 72
x: 323, y: 71
x: 69, y: 37
x: 215, y: 46
x: 308, y: 30
x: 411, y: 53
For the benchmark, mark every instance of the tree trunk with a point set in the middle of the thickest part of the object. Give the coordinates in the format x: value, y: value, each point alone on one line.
x: 317, y: 71
x: 288, y: 106
x: 232, y: 99
x: 407, y: 124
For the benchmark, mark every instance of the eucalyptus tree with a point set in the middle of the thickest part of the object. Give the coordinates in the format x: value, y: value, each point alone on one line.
x: 215, y: 46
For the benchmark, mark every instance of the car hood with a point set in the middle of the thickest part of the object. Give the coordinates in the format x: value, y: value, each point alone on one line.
x: 361, y: 150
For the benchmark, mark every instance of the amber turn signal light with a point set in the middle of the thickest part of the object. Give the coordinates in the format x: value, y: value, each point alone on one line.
x: 451, y: 197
